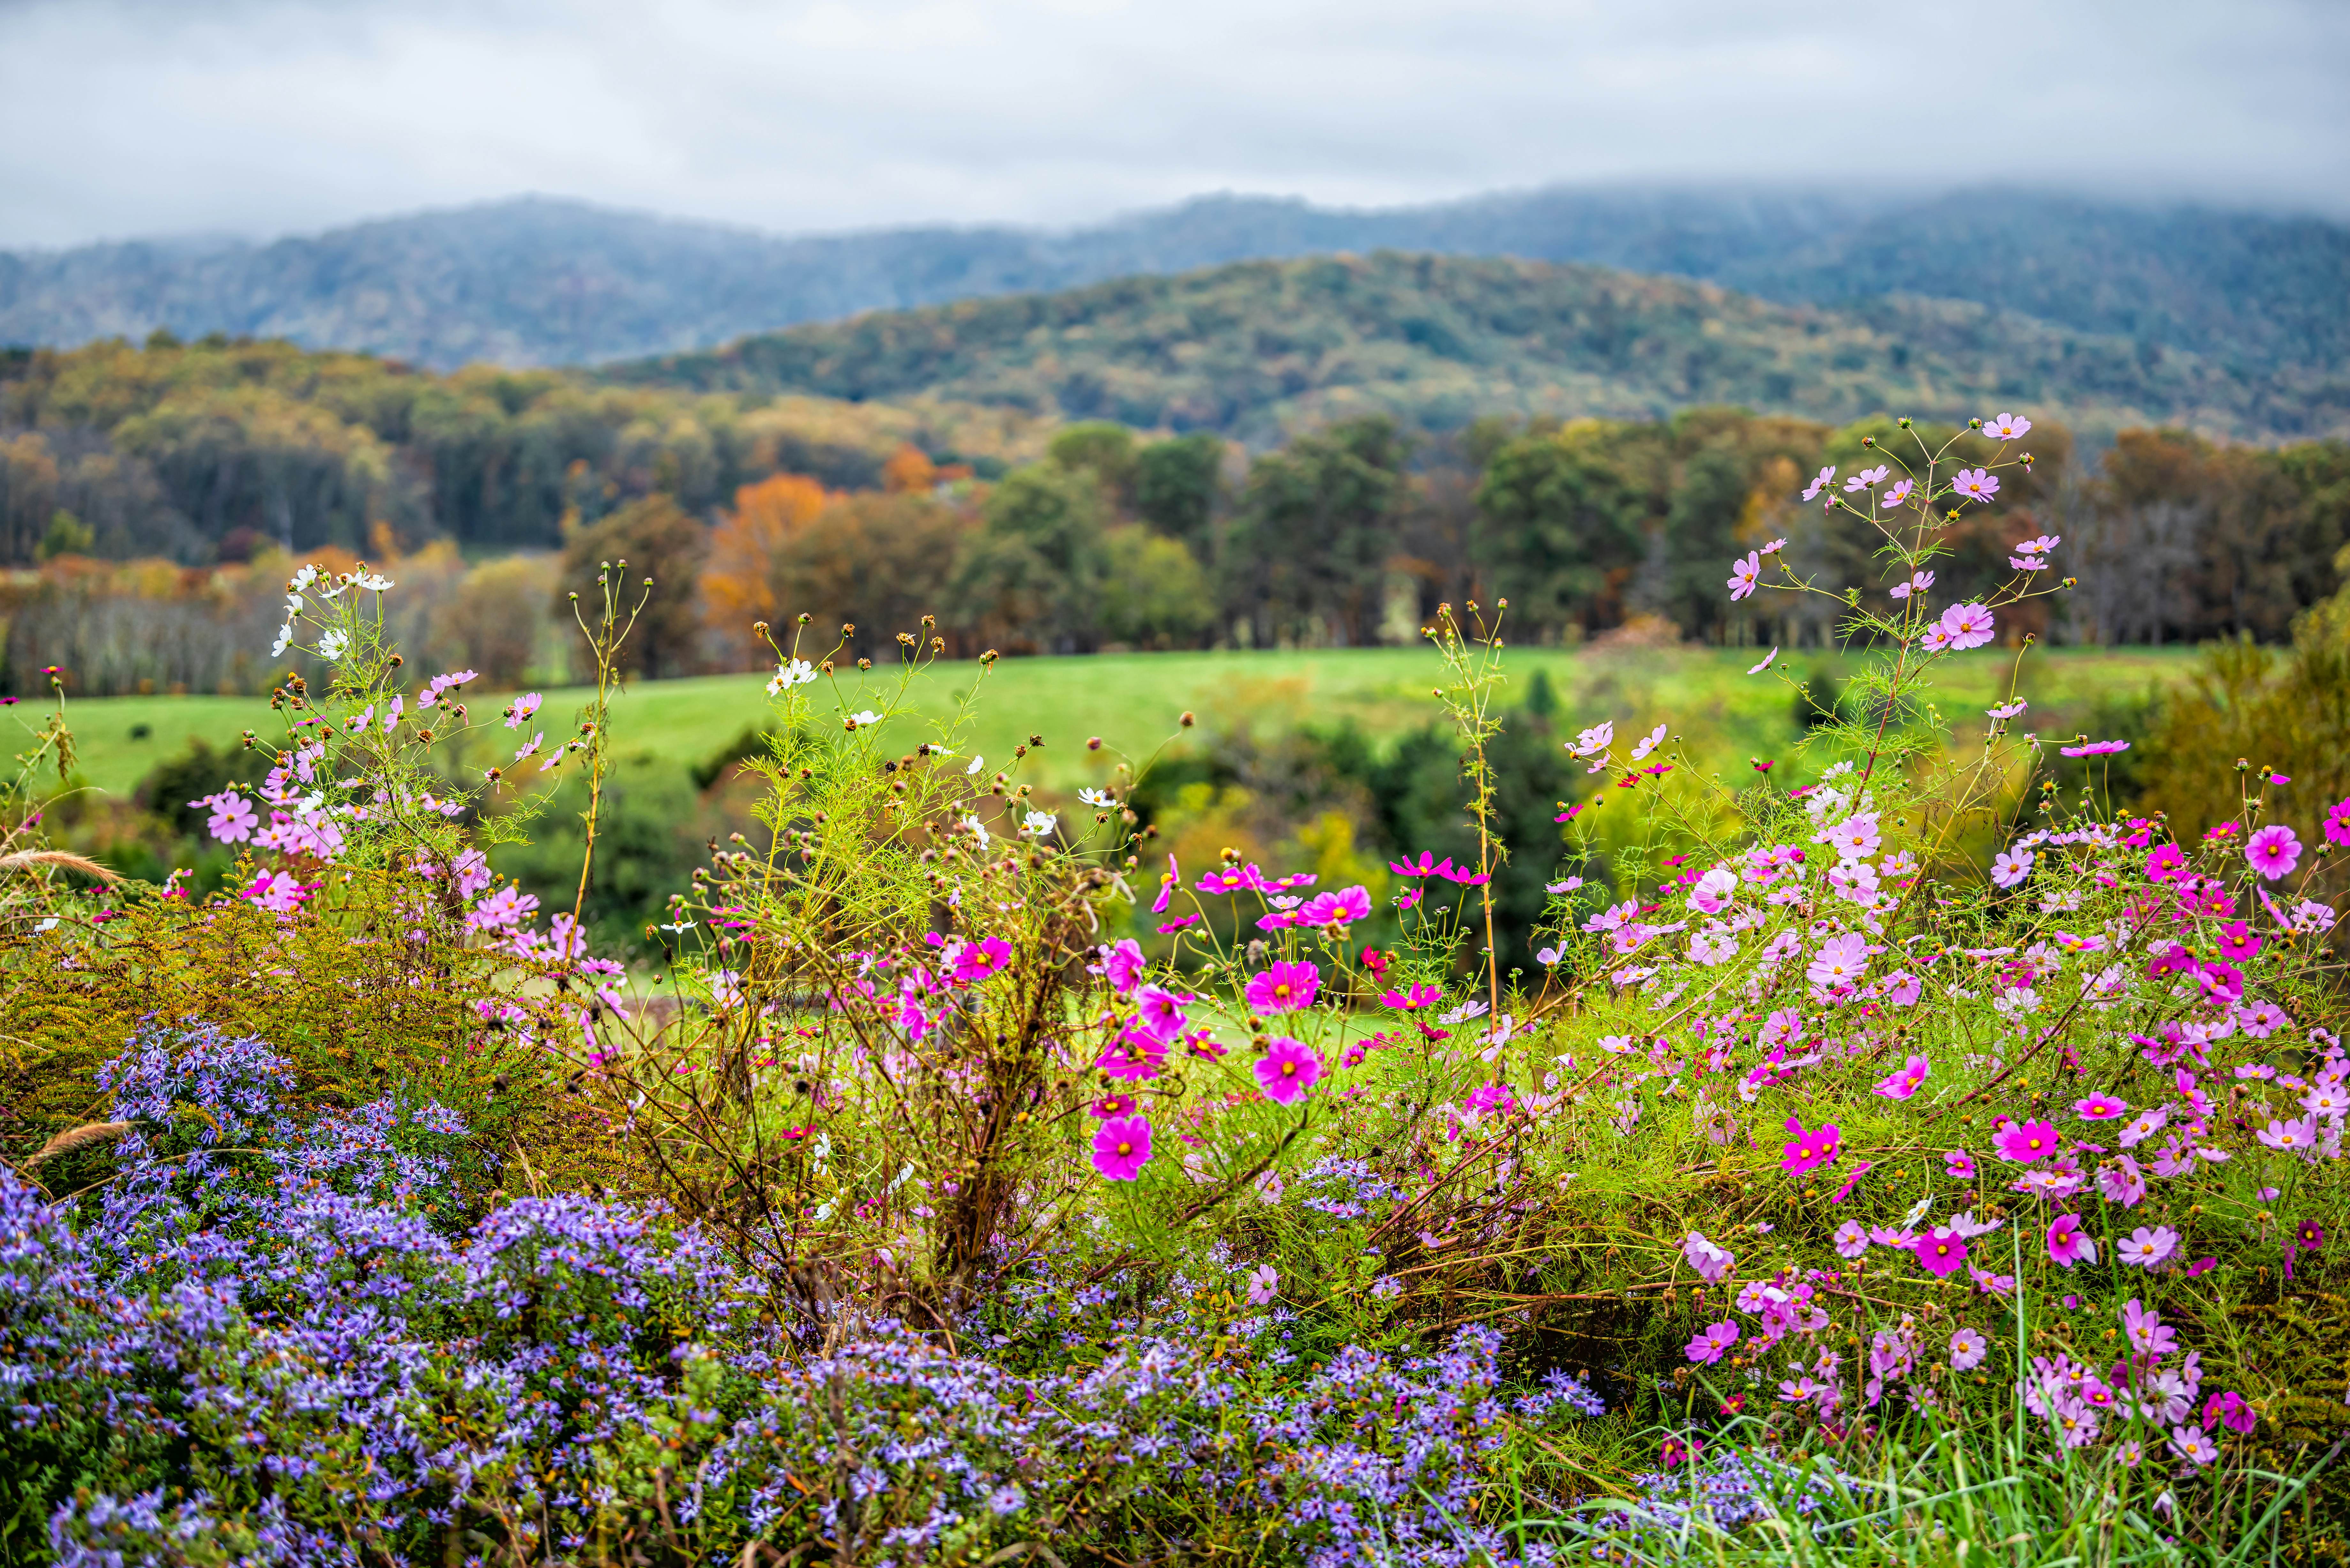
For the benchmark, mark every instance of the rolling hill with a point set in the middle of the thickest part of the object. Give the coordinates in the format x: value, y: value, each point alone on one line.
x: 1260, y: 350
x: 541, y: 282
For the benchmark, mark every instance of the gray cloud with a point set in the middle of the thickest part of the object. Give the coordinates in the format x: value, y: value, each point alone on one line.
x: 130, y: 116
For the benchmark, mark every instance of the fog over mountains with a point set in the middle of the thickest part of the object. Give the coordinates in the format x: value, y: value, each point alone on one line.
x: 544, y: 282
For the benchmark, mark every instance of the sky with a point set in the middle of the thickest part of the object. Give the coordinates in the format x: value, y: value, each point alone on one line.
x: 259, y: 118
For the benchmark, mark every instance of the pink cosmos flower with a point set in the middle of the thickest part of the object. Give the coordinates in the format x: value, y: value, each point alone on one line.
x: 1282, y: 987
x: 2287, y: 1136
x: 1919, y: 583
x: 1970, y: 626
x: 2010, y: 867
x: 1110, y: 1105
x: 1975, y: 484
x: 1810, y: 1150
x: 1785, y: 1027
x: 1941, y: 1252
x: 2274, y: 851
x: 1819, y: 483
x: 2007, y: 427
x: 2338, y: 822
x: 1899, y: 492
x: 1900, y: 1085
x: 1168, y: 882
x: 1339, y: 908
x: 1851, y: 1239
x: 1159, y: 1013
x: 521, y: 710
x: 1122, y: 1147
x: 2166, y: 863
x: 1133, y: 1057
x: 1935, y: 638
x: 2146, y: 1247
x: 232, y: 818
x: 1759, y: 668
x: 981, y: 960
x: 1712, y: 1342
x: 2100, y: 1108
x: 1713, y: 1263
x: 1263, y: 1285
x: 2094, y: 749
x: 1743, y: 574
x: 1413, y: 998
x: 1960, y: 1164
x: 1231, y: 879
x: 1121, y: 965
x: 2068, y: 1243
x: 2026, y: 1142
x: 1866, y: 479
x: 1286, y: 1070
x: 1968, y: 1349
x: 2229, y: 1410
x: 1840, y: 961
x: 2189, y: 1444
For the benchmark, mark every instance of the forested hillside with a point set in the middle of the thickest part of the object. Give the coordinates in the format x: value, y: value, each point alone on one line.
x: 542, y: 281
x: 153, y: 501
x: 1258, y: 349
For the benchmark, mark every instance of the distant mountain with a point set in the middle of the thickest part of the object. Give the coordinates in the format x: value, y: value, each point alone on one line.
x: 1260, y: 350
x: 540, y: 282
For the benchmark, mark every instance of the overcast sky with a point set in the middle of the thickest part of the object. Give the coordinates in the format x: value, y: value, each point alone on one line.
x: 123, y: 118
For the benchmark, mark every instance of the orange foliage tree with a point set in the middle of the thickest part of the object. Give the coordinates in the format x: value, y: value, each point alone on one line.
x: 738, y: 583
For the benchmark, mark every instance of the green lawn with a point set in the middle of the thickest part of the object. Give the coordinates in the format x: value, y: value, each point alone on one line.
x: 1133, y: 700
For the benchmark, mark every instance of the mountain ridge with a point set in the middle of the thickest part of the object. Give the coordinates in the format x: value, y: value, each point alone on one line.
x: 545, y: 281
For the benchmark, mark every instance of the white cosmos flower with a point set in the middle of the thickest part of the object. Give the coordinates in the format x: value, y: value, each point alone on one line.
x: 977, y: 829
x: 1037, y: 823
x: 303, y: 579
x: 332, y: 645
x: 1096, y: 799
x: 284, y: 639
x: 374, y: 582
x: 977, y: 763
x: 798, y: 672
x: 864, y: 720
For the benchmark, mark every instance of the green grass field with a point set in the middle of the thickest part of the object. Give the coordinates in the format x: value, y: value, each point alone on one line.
x: 1133, y: 700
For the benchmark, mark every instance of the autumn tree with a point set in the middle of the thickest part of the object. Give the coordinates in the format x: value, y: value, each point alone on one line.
x: 738, y: 582
x: 659, y: 541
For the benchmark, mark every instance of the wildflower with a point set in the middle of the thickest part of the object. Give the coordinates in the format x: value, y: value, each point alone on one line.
x: 977, y: 763
x: 2338, y: 822
x: 1866, y: 479
x: 1941, y: 1252
x: 1851, y: 1239
x: 983, y: 961
x: 2230, y: 1410
x: 1900, y: 1085
x: 1283, y: 986
x: 1596, y: 739
x: 2094, y: 749
x: 2146, y: 1248
x: 2068, y: 1243
x: 1975, y: 484
x: 232, y: 818
x: 2286, y: 1137
x: 1650, y: 744
x: 532, y: 748
x: 333, y: 644
x: 1675, y: 1451
x: 1968, y: 1349
x: 1712, y: 1342
x: 1340, y: 909
x: 2010, y: 867
x: 1742, y: 574
x: 1969, y: 626
x: 1820, y: 482
x: 1099, y: 800
x: 2238, y: 942
x: 2099, y: 1108
x: 2007, y: 427
x: 1840, y: 961
x: 794, y: 673
x: 2143, y: 1327
x: 1037, y: 823
x: 1810, y: 1150
x: 1416, y: 997
x: 520, y: 709
x: 1263, y: 1285
x: 1286, y: 1070
x: 2189, y: 1444
x: 1917, y: 584
x: 1110, y: 1105
x: 2274, y: 851
x: 1759, y: 668
x: 1853, y: 840
x: 1122, y: 1147
x: 1713, y: 1263
x: 1159, y: 1013
x: 1960, y: 1164
x: 2309, y: 1236
x: 1899, y: 492
x: 2007, y: 710
x: 1935, y: 638
x: 1169, y: 880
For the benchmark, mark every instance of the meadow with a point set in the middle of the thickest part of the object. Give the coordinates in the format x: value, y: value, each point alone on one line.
x: 1133, y: 700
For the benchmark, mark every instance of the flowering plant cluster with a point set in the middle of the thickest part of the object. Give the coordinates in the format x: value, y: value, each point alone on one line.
x: 995, y: 1179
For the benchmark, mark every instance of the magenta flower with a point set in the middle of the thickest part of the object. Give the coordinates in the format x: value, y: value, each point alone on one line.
x: 1968, y: 1349
x: 1282, y: 987
x: 2229, y: 1410
x: 981, y: 960
x: 2068, y: 1243
x: 2238, y: 942
x: 1110, y: 1105
x: 1159, y: 1013
x: 1810, y: 1150
x: 2274, y: 851
x: 2166, y: 863
x: 2094, y: 749
x: 1412, y: 998
x: 1286, y: 1069
x: 1133, y: 1057
x: 2026, y: 1142
x: 2338, y: 822
x: 1121, y: 965
x: 2100, y: 1108
x: 1232, y: 879
x: 232, y: 818
x: 1960, y: 1164
x: 1168, y: 882
x: 1712, y: 1343
x: 1900, y: 1085
x: 1941, y: 1252
x: 1339, y: 908
x: 1122, y: 1147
